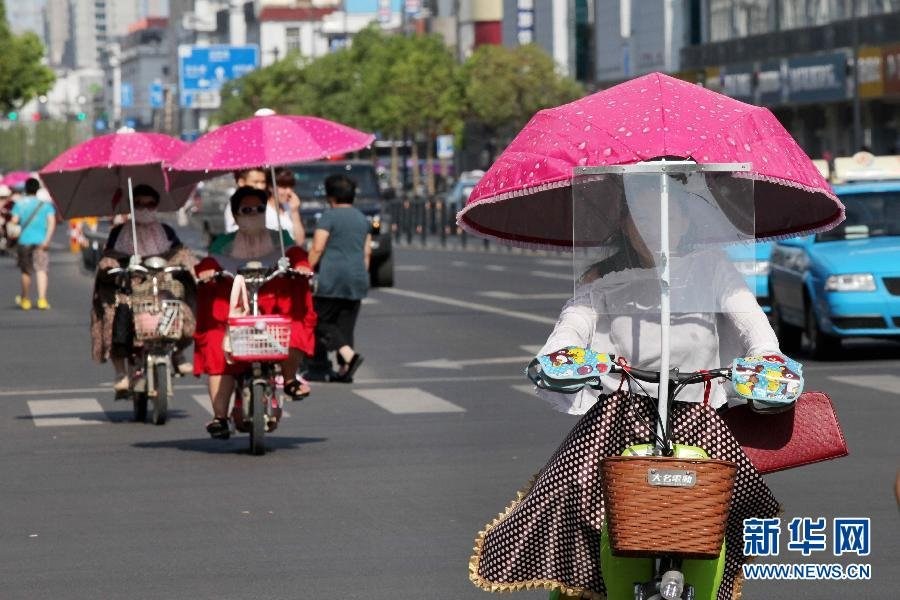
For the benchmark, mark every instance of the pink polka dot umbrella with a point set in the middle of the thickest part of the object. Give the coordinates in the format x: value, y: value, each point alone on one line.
x: 266, y: 140
x: 91, y: 179
x: 525, y: 196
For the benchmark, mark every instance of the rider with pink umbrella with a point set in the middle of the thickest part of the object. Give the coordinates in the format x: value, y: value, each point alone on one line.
x: 264, y: 141
x: 641, y: 183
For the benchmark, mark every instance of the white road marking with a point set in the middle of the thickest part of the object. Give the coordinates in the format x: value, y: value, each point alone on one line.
x: 495, y: 268
x: 552, y: 275
x: 882, y: 383
x: 368, y: 300
x: 555, y: 262
x: 406, y: 401
x: 525, y: 389
x: 61, y: 413
x: 469, y: 305
x: 85, y: 390
x: 498, y: 295
x: 203, y: 401
x: 459, y: 263
x: 411, y: 268
x: 444, y: 363
x: 532, y: 350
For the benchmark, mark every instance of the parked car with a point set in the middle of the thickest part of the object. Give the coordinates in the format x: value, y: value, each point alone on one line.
x: 844, y: 282
x: 456, y: 196
x: 752, y: 261
x: 310, y: 187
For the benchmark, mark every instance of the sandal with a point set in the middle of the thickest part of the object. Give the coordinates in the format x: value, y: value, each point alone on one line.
x: 218, y: 429
x: 297, y: 390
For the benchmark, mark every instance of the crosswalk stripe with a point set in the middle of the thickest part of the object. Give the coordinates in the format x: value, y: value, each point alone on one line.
x: 404, y: 401
x: 882, y: 383
x: 72, y: 411
x: 525, y: 389
x: 203, y: 401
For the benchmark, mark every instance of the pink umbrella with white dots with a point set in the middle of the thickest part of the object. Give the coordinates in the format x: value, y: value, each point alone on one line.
x: 91, y: 178
x: 524, y: 198
x: 265, y: 140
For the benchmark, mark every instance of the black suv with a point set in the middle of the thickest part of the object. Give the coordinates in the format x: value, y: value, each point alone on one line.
x: 310, y: 188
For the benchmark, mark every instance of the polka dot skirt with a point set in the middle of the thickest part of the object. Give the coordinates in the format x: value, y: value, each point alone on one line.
x: 550, y: 536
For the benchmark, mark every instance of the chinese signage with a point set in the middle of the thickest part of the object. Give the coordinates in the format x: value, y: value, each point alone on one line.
x: 871, y: 80
x: 818, y: 78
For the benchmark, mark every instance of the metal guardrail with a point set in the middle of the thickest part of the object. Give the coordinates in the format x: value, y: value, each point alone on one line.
x: 421, y: 219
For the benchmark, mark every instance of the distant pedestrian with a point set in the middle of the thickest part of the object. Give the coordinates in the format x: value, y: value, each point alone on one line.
x: 37, y: 219
x: 341, y: 248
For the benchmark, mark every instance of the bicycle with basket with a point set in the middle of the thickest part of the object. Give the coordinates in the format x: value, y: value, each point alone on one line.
x: 260, y: 342
x: 158, y: 313
x: 667, y: 504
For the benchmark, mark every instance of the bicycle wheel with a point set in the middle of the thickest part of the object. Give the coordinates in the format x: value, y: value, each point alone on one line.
x: 161, y: 402
x: 258, y: 418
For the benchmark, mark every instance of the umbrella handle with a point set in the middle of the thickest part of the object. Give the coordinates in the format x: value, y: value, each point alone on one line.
x: 137, y: 255
x: 277, y: 210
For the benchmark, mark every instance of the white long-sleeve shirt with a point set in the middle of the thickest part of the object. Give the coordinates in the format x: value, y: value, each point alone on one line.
x: 715, y: 318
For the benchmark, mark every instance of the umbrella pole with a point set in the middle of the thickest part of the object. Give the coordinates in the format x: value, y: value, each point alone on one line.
x: 665, y: 315
x: 136, y: 258
x: 277, y: 210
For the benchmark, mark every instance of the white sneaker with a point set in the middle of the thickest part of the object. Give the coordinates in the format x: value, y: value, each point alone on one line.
x: 185, y: 368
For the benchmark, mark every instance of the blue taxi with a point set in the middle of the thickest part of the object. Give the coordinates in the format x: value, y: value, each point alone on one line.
x: 844, y: 282
x: 752, y: 261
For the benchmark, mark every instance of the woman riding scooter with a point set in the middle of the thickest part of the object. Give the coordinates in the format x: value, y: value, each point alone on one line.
x: 251, y: 242
x: 153, y: 239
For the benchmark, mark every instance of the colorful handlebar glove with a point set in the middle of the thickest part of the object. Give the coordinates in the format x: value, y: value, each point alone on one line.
x: 569, y: 369
x: 771, y: 380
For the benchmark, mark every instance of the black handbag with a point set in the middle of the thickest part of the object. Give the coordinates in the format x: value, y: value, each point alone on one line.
x: 123, y: 329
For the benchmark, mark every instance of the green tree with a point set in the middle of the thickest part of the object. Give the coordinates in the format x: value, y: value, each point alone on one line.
x: 424, y: 91
x: 22, y: 76
x: 504, y: 87
x: 282, y: 86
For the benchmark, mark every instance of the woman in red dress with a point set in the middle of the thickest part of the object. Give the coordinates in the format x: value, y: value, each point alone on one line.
x: 291, y: 297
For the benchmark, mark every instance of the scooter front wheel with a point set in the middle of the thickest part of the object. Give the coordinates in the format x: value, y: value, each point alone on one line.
x: 161, y: 402
x: 258, y: 418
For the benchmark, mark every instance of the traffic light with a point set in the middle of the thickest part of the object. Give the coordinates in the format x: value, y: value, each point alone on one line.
x: 12, y: 115
x: 81, y: 116
x: 35, y: 116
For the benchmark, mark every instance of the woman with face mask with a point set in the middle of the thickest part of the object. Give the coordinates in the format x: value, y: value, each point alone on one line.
x: 153, y: 239
x: 251, y: 242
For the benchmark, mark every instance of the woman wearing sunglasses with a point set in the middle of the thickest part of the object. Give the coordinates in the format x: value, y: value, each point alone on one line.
x: 251, y: 242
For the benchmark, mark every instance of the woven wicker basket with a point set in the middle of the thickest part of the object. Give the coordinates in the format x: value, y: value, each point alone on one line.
x: 667, y: 506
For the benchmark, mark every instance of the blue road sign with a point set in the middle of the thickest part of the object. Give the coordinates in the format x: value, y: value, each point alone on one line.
x: 156, y: 95
x: 127, y: 95
x: 131, y: 123
x: 100, y: 125
x: 202, y: 70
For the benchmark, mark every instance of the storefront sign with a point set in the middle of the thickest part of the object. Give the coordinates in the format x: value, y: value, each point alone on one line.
x: 737, y: 82
x: 769, y: 83
x: 820, y: 78
x: 871, y: 78
x: 890, y: 65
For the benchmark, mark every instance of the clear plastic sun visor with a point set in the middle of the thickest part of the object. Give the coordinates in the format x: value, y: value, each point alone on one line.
x: 662, y: 232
